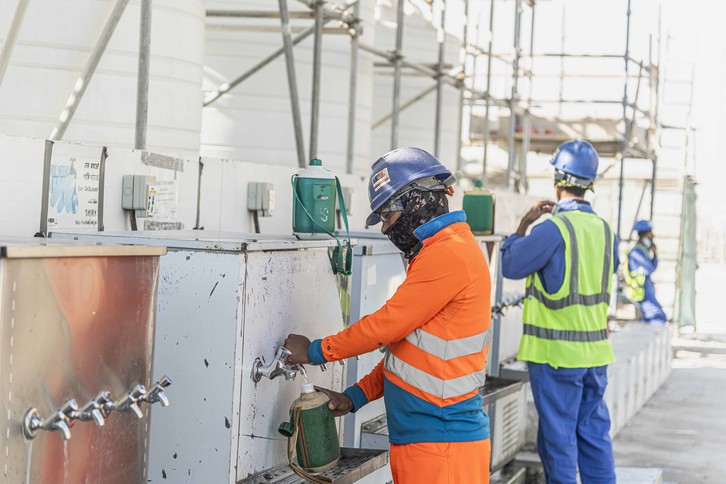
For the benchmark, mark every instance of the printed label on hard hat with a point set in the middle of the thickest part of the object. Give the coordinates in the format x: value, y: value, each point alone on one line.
x: 380, y: 179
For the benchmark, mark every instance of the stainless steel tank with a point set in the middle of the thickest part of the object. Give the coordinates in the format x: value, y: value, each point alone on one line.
x: 76, y: 332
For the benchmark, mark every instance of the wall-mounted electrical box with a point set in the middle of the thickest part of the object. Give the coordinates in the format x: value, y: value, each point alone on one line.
x: 139, y: 194
x: 261, y: 198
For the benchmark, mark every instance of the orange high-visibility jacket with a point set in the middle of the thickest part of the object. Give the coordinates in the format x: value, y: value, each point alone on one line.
x: 436, y: 327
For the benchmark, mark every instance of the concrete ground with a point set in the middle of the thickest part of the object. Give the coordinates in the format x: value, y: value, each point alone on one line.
x: 682, y: 429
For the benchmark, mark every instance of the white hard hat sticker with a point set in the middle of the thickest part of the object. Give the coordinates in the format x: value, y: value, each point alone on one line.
x: 380, y: 179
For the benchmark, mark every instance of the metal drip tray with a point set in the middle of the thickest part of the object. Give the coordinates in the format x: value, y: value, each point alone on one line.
x: 496, y: 388
x: 354, y: 464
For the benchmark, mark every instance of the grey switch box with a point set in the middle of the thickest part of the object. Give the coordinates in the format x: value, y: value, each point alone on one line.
x: 261, y: 198
x: 135, y: 193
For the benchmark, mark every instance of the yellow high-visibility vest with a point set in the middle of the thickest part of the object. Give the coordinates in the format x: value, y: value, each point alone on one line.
x: 569, y: 327
x: 635, y: 280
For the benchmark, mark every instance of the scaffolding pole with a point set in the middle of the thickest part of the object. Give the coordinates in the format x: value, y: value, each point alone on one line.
x: 12, y: 35
x: 397, y: 75
x: 292, y: 83
x: 82, y: 83
x: 562, y: 63
x: 653, y: 180
x: 513, y: 99
x: 488, y: 96
x: 465, y: 61
x: 317, y: 65
x: 523, y: 183
x: 142, y: 85
x: 623, y: 145
x: 263, y: 14
x: 352, y: 95
x: 441, y: 34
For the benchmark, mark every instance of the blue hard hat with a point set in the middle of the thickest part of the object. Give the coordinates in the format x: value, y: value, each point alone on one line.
x: 576, y: 157
x: 643, y: 226
x: 398, y: 168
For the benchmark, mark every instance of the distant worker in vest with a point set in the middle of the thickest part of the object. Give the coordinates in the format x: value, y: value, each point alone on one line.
x: 435, y: 330
x: 568, y: 261
x: 642, y: 262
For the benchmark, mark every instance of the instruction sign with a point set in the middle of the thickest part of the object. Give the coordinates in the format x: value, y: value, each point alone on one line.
x: 163, y: 206
x: 74, y: 192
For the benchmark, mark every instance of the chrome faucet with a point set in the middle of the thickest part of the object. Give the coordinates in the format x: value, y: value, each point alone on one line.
x: 59, y: 420
x: 129, y: 402
x: 156, y: 392
x: 94, y: 410
x: 277, y: 367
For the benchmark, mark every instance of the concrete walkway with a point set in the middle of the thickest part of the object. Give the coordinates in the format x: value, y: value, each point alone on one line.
x: 682, y: 429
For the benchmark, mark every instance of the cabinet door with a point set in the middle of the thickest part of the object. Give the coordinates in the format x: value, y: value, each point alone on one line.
x: 290, y: 291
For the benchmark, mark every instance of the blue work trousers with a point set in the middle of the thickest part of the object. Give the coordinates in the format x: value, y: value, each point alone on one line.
x: 652, y: 312
x: 574, y: 424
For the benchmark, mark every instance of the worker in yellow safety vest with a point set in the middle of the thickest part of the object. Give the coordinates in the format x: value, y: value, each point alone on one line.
x: 642, y: 262
x: 568, y: 261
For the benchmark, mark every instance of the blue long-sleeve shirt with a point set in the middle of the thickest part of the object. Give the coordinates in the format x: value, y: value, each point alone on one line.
x: 639, y: 258
x: 543, y: 250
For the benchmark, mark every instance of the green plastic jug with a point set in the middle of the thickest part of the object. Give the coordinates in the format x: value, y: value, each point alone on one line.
x: 312, y: 433
x: 479, y: 206
x: 313, y: 212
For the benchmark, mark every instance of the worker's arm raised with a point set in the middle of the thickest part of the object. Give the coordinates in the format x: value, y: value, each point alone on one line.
x: 525, y: 255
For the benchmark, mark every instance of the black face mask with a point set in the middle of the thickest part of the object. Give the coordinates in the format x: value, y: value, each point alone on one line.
x: 419, y: 207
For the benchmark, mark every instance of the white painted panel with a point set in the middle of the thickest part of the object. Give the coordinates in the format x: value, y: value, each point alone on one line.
x: 286, y: 292
x: 224, y: 196
x: 181, y: 185
x: 21, y: 185
x: 194, y: 440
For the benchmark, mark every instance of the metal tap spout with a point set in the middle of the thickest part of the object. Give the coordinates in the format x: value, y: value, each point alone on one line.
x: 60, y: 420
x: 95, y: 409
x: 156, y: 392
x: 129, y: 402
x: 276, y: 367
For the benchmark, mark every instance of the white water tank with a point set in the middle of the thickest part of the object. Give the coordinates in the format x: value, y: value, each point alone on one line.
x: 253, y: 121
x: 417, y: 122
x: 53, y: 46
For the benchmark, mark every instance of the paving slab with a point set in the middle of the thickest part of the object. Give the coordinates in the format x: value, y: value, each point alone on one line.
x: 682, y: 429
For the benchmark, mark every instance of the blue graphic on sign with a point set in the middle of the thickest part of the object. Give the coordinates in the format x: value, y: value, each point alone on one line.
x: 63, y: 191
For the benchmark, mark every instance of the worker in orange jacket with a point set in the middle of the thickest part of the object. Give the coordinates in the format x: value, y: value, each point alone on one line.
x: 435, y: 328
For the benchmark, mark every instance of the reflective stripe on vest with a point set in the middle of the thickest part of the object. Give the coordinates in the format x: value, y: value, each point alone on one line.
x: 565, y: 335
x: 449, y: 349
x: 431, y: 384
x: 575, y: 297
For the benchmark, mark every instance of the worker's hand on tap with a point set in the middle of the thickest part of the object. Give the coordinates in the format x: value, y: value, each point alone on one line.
x: 298, y: 345
x: 537, y: 210
x: 339, y: 403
